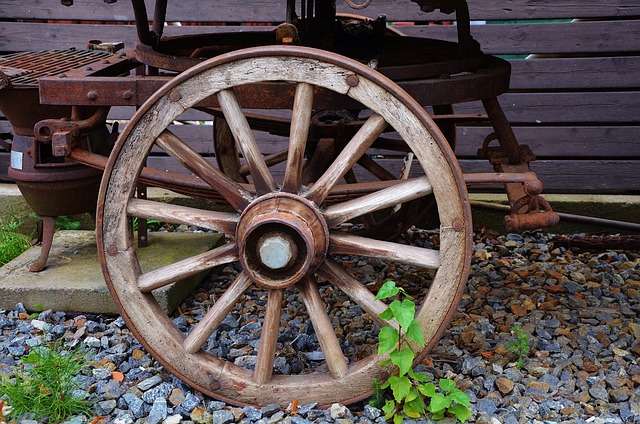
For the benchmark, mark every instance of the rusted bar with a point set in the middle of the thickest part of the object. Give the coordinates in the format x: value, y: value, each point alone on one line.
x: 578, y: 219
x: 159, y: 17
x: 142, y: 23
x: 506, y: 137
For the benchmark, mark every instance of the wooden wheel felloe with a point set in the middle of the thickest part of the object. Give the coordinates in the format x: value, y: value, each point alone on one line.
x: 285, y: 236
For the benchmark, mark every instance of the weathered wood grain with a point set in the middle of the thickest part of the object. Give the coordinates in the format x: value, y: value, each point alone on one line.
x: 273, y: 11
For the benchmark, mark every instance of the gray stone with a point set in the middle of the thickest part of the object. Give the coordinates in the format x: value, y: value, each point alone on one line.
x: 222, y: 417
x: 252, y: 413
x: 304, y: 409
x: 270, y: 409
x: 190, y: 402
x: 215, y: 405
x: 599, y: 391
x: 109, y: 390
x: 371, y: 412
x: 148, y: 383
x: 105, y: 407
x: 162, y: 391
x: 275, y: 418
x: 135, y: 404
x: 173, y: 419
x: 486, y: 406
x: 158, y: 411
x: 101, y: 373
x: 338, y: 411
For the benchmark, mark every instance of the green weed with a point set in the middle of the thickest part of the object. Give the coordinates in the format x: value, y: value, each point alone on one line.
x: 12, y: 242
x: 413, y: 394
x: 519, y: 345
x: 43, y: 385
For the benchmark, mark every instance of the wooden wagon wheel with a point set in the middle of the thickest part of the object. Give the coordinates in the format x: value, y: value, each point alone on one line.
x: 283, y: 235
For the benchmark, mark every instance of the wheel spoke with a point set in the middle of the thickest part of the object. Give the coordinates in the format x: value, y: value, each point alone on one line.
x: 241, y: 130
x: 300, y: 120
x: 348, y: 157
x: 353, y: 288
x: 375, y: 168
x: 347, y: 244
x: 269, y: 337
x: 175, y: 214
x: 216, y: 314
x: 186, y: 268
x: 329, y: 343
x: 237, y: 196
x: 388, y: 197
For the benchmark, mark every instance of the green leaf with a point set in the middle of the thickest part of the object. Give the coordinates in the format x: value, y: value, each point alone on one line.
x: 429, y: 389
x: 403, y: 359
x: 437, y: 416
x: 388, y: 408
x: 417, y: 405
x: 400, y: 385
x: 387, y: 290
x: 447, y: 385
x: 397, y: 419
x: 462, y: 413
x: 460, y: 397
x: 387, y: 339
x: 414, y: 332
x: 413, y: 393
x: 385, y: 363
x: 439, y: 402
x: 410, y: 412
x: 418, y: 376
x: 404, y: 312
x: 387, y: 314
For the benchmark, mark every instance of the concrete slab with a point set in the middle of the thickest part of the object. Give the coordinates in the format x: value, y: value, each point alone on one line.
x: 73, y: 279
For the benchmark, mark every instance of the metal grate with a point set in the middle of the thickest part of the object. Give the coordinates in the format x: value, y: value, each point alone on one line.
x: 26, y: 68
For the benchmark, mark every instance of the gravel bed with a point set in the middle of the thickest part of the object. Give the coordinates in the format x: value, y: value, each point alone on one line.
x: 581, y: 310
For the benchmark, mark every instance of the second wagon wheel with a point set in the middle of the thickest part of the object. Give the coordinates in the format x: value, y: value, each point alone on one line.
x: 286, y: 241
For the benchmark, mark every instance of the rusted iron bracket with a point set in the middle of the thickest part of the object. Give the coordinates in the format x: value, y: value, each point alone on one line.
x: 64, y: 134
x: 529, y: 210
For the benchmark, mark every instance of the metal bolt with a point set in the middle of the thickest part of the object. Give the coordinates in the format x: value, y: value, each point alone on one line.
x: 92, y: 95
x: 175, y: 95
x: 353, y: 80
x: 127, y: 94
x: 276, y: 251
x: 112, y: 250
x: 458, y: 225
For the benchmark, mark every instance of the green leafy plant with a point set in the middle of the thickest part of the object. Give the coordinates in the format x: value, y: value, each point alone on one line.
x: 62, y: 222
x: 519, y: 345
x: 413, y: 394
x: 67, y: 223
x: 44, y: 383
x: 12, y: 242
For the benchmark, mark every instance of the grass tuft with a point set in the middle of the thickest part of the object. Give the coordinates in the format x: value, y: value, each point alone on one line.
x: 43, y: 385
x: 12, y: 243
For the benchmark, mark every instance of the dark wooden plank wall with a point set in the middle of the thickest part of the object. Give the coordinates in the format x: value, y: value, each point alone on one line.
x: 577, y: 103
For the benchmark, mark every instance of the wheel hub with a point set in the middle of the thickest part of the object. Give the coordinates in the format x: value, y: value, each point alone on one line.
x: 281, y: 238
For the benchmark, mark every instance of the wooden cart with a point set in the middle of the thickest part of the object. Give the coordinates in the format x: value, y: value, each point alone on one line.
x: 348, y: 95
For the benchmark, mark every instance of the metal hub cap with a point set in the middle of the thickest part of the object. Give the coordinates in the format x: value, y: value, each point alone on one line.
x: 281, y: 238
x: 277, y: 250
